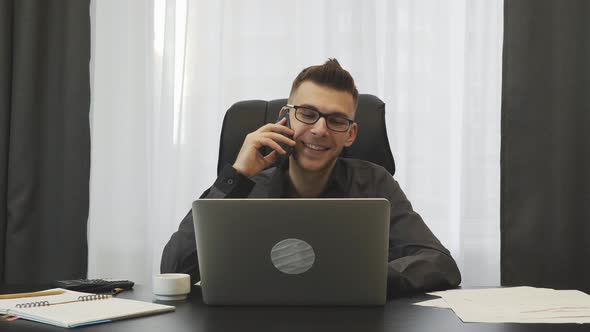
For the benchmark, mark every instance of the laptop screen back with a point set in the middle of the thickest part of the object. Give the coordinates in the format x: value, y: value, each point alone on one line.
x: 292, y: 251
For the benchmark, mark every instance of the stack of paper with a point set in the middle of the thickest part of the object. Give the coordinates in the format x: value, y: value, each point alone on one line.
x: 515, y: 305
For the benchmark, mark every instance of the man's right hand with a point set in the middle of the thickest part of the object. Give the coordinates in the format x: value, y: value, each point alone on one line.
x: 250, y: 161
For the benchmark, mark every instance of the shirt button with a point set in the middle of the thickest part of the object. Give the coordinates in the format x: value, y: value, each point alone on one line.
x: 230, y: 181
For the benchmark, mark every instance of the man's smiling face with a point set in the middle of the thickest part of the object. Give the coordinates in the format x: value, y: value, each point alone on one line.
x: 317, y: 146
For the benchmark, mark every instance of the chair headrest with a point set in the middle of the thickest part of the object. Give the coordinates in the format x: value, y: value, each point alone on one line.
x: 245, y: 117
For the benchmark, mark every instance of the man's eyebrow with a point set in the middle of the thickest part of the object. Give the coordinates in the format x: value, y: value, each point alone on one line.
x: 309, y: 106
x: 342, y: 114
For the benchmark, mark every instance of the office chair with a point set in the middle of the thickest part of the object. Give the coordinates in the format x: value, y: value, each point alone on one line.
x: 246, y: 116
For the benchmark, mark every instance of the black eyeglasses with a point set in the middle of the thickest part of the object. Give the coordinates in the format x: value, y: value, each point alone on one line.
x: 308, y: 115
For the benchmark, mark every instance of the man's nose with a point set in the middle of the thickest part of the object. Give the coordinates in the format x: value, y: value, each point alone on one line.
x: 320, y: 127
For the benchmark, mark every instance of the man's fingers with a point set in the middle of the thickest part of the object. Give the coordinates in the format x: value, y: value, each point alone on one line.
x: 276, y: 127
x: 273, y: 145
x: 250, y: 161
x: 271, y: 157
x: 279, y: 138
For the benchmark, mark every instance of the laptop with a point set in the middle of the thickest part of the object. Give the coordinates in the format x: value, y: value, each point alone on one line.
x: 292, y: 251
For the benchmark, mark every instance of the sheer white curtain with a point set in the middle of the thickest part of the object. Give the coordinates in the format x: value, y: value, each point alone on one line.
x: 164, y: 72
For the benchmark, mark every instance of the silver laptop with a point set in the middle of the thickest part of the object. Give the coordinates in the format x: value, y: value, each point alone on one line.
x: 292, y: 251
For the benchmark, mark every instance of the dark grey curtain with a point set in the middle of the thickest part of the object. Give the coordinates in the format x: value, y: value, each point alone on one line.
x: 545, y: 198
x: 44, y: 139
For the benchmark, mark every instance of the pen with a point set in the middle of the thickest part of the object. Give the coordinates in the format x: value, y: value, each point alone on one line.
x: 117, y: 290
x: 31, y: 294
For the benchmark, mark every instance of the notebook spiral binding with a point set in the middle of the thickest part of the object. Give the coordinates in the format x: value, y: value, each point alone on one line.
x: 93, y: 297
x: 33, y: 304
x: 83, y: 298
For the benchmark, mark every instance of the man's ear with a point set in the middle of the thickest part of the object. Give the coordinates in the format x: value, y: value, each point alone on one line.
x: 351, y: 135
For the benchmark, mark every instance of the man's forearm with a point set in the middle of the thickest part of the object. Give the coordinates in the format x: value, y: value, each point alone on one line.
x: 180, y: 256
x: 180, y: 253
x: 426, y: 270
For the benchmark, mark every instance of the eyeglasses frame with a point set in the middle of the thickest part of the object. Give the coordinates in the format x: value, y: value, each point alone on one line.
x: 321, y: 115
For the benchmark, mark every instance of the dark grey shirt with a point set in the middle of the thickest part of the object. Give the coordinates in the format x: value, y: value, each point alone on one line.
x: 417, y: 260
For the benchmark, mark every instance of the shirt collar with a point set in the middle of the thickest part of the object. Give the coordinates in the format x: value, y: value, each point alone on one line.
x: 280, y: 185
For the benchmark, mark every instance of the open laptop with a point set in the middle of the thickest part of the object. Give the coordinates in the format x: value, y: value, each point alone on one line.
x: 292, y: 251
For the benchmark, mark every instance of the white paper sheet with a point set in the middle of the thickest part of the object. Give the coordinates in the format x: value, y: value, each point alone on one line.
x: 435, y: 303
x: 518, y: 305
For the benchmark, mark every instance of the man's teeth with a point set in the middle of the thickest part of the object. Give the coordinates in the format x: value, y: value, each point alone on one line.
x: 315, y: 147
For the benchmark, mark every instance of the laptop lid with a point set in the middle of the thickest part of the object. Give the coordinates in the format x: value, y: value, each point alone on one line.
x: 292, y: 251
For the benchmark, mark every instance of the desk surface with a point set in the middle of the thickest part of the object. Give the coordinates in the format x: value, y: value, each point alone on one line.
x: 195, y: 316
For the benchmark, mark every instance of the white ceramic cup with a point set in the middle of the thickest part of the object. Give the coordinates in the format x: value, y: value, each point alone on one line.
x: 171, y: 286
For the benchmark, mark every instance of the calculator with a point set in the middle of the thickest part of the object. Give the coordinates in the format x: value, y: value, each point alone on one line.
x: 94, y: 285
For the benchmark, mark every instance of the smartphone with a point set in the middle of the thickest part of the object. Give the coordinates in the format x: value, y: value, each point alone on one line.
x: 289, y: 149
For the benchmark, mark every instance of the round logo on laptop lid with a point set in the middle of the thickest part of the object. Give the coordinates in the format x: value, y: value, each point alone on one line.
x: 292, y: 256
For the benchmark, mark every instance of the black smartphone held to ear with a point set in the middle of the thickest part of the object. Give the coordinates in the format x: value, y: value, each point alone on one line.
x: 284, y: 113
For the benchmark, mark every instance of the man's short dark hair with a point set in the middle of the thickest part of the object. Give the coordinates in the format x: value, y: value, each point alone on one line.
x: 330, y: 75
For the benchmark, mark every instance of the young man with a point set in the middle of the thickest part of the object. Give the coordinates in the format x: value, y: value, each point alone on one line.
x: 321, y: 110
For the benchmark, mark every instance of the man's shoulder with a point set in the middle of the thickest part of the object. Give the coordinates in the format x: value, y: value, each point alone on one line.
x: 367, y: 179
x: 363, y: 167
x: 365, y: 174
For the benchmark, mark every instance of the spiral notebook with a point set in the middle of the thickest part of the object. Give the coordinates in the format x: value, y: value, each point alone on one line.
x: 73, y: 309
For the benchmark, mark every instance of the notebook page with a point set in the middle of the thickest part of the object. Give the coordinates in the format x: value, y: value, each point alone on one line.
x: 7, y: 304
x: 97, y: 311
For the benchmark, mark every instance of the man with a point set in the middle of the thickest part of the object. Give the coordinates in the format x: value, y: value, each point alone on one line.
x: 321, y: 109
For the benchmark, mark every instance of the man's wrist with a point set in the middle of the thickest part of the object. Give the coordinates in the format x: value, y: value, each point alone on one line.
x: 231, y: 182
x: 241, y: 171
